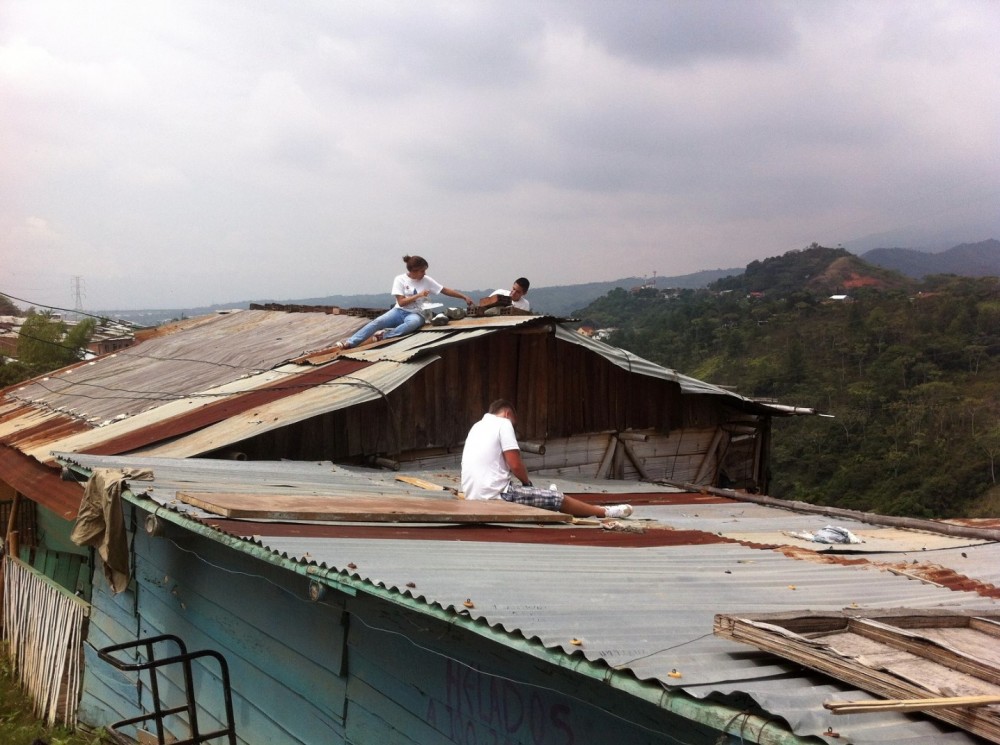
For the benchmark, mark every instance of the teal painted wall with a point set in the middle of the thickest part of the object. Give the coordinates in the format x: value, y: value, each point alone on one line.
x: 56, y: 556
x: 359, y: 670
x: 285, y: 653
x: 418, y: 680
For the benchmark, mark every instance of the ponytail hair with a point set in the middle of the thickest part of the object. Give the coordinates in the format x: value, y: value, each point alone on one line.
x: 413, y: 263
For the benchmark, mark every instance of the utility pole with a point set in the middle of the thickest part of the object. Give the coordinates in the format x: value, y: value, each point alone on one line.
x: 79, y: 293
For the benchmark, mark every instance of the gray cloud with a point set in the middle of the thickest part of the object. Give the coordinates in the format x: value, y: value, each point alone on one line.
x: 223, y: 152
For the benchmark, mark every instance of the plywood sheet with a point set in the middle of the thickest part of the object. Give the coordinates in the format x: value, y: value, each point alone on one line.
x: 367, y: 509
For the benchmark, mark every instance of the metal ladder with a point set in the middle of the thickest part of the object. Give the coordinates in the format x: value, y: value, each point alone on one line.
x: 152, y: 664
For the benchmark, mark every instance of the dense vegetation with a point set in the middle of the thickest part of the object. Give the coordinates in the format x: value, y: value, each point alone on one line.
x: 20, y: 726
x: 45, y: 343
x: 910, y: 371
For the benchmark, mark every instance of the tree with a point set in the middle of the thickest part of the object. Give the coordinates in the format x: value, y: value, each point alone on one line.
x: 45, y: 343
x: 912, y: 391
x: 7, y: 308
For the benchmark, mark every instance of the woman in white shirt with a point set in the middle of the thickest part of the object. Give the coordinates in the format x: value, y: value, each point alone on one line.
x: 406, y: 316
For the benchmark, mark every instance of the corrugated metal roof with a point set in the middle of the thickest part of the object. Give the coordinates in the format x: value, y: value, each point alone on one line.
x: 648, y: 610
x: 194, y: 377
x: 635, y: 364
x: 173, y: 366
x: 28, y: 476
x: 367, y: 384
x: 431, y: 337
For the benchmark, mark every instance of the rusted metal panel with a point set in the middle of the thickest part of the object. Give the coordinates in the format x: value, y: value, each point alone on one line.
x: 40, y: 483
x: 195, y: 389
x: 225, y: 409
x: 33, y: 427
x: 190, y: 357
x: 366, y: 383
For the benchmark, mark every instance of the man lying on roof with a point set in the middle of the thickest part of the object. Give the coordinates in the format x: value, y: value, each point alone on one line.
x: 514, y: 297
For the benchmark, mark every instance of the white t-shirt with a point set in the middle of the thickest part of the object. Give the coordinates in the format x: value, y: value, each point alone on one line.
x: 521, y: 304
x: 404, y: 284
x: 484, y: 471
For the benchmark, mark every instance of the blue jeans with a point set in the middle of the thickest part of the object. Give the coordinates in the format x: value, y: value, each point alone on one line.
x: 399, y: 321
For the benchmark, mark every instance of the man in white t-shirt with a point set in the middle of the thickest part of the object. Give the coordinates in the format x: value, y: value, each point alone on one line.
x: 516, y: 294
x: 491, y: 455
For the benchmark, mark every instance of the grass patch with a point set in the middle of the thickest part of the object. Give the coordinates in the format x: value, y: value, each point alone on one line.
x: 18, y: 724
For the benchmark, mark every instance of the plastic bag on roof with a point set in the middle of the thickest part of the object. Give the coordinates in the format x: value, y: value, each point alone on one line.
x: 829, y: 534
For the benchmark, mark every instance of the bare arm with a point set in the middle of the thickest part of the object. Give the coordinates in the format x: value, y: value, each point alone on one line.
x: 516, y: 466
x: 455, y: 293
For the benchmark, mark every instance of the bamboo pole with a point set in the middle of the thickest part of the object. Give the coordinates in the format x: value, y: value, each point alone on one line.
x: 908, y: 704
x: 12, y: 518
x: 43, y: 626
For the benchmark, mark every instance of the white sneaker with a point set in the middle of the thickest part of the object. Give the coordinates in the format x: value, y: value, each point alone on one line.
x: 618, y: 510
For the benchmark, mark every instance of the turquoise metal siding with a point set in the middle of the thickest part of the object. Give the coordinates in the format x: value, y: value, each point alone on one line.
x: 285, y: 653
x: 361, y: 670
x: 419, y: 680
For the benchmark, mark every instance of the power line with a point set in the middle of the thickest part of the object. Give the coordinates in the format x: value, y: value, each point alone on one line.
x: 65, y: 310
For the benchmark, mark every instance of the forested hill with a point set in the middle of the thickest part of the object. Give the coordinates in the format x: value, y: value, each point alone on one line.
x: 910, y: 370
x: 969, y: 259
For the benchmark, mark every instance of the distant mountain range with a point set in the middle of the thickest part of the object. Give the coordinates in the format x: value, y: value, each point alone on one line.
x: 557, y: 301
x: 968, y: 260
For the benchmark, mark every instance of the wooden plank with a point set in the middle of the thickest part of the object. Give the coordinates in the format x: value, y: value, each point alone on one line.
x: 914, y: 643
x: 368, y: 509
x: 421, y: 483
x: 985, y: 626
x: 883, y: 670
x: 609, y: 453
x: 910, y: 704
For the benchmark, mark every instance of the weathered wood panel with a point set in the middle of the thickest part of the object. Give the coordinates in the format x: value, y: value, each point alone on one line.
x: 560, y: 389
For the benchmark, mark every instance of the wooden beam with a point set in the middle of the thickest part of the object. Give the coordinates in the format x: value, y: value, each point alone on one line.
x: 771, y: 634
x: 935, y: 651
x: 908, y: 704
x: 382, y: 508
x: 421, y: 483
x: 707, y: 460
x: 609, y: 454
x: 911, y: 523
x: 635, y: 461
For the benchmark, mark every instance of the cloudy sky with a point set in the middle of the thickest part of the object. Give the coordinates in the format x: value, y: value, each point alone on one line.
x: 178, y: 153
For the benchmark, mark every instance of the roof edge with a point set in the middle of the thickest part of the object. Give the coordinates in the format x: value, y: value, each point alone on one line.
x: 718, y: 716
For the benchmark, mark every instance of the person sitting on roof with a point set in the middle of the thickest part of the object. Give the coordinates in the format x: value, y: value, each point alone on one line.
x: 514, y: 297
x: 491, y: 455
x: 406, y: 316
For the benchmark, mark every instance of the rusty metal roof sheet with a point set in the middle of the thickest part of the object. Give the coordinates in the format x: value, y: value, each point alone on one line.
x: 216, y: 351
x: 190, y: 387
x: 365, y: 384
x: 647, y: 608
x: 30, y: 477
x: 203, y: 383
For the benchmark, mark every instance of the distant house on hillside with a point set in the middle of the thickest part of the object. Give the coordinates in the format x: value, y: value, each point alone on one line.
x: 111, y: 337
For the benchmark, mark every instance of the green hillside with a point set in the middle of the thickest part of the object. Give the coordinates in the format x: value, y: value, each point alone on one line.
x: 909, y: 370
